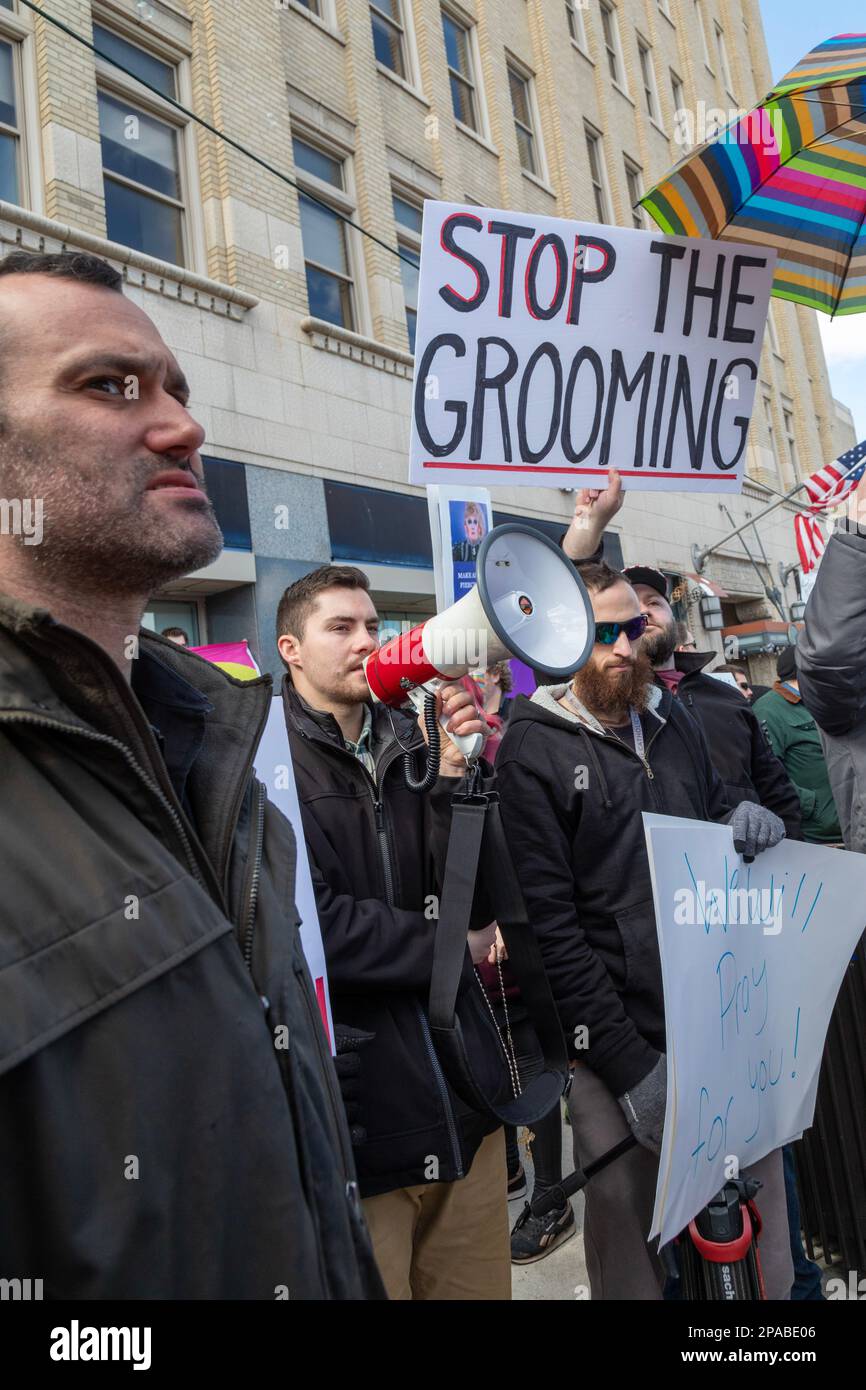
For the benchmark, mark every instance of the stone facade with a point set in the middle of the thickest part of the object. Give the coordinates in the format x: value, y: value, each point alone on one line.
x: 301, y: 402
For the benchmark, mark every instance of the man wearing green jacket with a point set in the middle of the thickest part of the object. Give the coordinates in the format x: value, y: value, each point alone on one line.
x: 796, y: 742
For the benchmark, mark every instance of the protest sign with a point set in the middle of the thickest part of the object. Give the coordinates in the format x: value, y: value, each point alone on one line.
x: 460, y: 518
x: 752, y: 959
x: 273, y: 767
x: 548, y: 351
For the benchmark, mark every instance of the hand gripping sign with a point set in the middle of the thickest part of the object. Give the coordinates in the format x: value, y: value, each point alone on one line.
x: 549, y: 351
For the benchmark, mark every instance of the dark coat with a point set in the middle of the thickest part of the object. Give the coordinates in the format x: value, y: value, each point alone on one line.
x: 743, y: 758
x: 155, y: 1142
x: 376, y: 851
x: 831, y: 665
x: 578, y: 844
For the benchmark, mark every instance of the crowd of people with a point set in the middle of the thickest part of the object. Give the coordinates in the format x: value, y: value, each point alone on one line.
x: 172, y: 1124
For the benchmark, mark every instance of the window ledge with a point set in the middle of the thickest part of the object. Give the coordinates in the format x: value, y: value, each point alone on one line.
x: 406, y: 86
x: 623, y: 93
x: 664, y: 15
x: 479, y: 139
x: 320, y: 23
x: 21, y: 229
x: 358, y: 348
x: 582, y: 51
x: 539, y: 183
x: 660, y: 128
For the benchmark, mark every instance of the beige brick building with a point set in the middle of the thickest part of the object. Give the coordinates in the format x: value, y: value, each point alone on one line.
x: 293, y: 327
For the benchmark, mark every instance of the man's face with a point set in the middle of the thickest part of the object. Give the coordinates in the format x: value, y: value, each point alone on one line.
x: 660, y: 638
x: 743, y: 682
x: 93, y: 419
x: 339, y: 634
x: 619, y: 674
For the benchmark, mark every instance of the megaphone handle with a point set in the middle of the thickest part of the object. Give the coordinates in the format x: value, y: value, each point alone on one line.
x: 470, y: 745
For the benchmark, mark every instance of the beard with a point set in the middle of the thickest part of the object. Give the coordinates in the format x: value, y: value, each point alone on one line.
x: 660, y: 646
x: 606, y: 693
x: 100, y: 534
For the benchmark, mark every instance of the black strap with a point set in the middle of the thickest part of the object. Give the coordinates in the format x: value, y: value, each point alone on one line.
x: 455, y: 908
x: 476, y: 840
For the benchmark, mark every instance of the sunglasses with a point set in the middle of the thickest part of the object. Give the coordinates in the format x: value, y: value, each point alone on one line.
x: 607, y: 633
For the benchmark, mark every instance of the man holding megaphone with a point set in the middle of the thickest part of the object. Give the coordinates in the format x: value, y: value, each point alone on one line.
x: 431, y: 1171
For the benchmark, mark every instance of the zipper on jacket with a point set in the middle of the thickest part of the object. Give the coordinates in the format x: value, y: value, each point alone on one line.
x: 252, y: 900
x: 384, y: 850
x: 40, y: 722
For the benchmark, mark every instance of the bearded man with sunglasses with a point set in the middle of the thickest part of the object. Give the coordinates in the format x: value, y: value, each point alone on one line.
x: 577, y: 766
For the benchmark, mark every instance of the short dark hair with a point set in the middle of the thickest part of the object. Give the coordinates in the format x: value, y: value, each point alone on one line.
x: 298, y: 601
x: 728, y: 669
x: 506, y: 679
x: 65, y: 265
x: 598, y: 576
x: 175, y: 632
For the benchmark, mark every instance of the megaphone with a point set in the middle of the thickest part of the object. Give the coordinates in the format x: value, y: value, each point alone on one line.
x: 529, y: 602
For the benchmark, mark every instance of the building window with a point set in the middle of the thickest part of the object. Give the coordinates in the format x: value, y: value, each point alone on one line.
x: 524, y: 124
x: 10, y: 129
x: 141, y: 154
x: 699, y: 16
x: 665, y: 7
x: 595, y: 152
x: 768, y: 416
x: 314, y: 6
x: 330, y: 286
x: 771, y: 328
x: 610, y: 30
x: 408, y: 217
x: 649, y: 80
x: 788, y: 418
x: 461, y: 75
x: 633, y: 181
x: 576, y: 23
x: 389, y: 35
x: 724, y: 68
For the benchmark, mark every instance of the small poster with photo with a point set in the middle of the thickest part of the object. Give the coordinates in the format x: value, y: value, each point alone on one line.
x: 460, y: 518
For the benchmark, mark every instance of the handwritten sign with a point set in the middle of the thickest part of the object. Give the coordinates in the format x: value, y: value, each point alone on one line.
x: 549, y: 351
x: 752, y: 959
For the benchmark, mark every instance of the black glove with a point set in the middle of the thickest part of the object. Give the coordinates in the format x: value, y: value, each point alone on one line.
x: 755, y: 829
x: 347, y: 1065
x: 644, y: 1106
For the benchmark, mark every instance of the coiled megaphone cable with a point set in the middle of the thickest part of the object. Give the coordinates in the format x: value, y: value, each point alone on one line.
x: 434, y: 748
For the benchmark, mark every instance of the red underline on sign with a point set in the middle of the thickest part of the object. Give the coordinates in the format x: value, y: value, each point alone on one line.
x: 595, y: 472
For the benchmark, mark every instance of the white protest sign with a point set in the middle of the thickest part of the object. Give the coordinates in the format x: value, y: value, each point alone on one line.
x: 752, y: 959
x: 549, y: 351
x: 273, y: 767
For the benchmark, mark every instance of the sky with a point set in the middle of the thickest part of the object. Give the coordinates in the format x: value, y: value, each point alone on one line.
x: 792, y: 28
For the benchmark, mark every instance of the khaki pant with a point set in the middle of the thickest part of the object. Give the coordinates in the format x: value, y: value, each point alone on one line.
x: 447, y: 1240
x: 619, y: 1203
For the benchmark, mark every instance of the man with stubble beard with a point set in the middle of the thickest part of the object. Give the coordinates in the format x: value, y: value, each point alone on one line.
x: 156, y: 1142
x: 578, y: 765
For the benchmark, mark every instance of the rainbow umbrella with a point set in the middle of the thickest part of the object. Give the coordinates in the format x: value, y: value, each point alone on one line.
x: 791, y: 174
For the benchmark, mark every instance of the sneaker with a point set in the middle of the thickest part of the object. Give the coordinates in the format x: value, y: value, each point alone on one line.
x: 517, y: 1185
x: 533, y: 1237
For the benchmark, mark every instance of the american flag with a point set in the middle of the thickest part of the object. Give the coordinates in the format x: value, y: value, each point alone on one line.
x: 810, y: 541
x: 826, y: 488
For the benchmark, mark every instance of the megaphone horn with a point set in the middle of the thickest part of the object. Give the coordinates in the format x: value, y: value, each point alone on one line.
x: 529, y: 602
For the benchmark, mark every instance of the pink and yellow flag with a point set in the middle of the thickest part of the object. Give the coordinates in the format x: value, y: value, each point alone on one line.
x: 233, y: 657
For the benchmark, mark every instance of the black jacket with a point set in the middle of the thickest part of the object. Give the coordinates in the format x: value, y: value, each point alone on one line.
x: 572, y: 801
x: 740, y: 752
x: 375, y: 852
x: 155, y: 1141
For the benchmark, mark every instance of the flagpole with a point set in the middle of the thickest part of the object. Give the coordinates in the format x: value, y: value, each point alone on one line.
x: 699, y: 557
